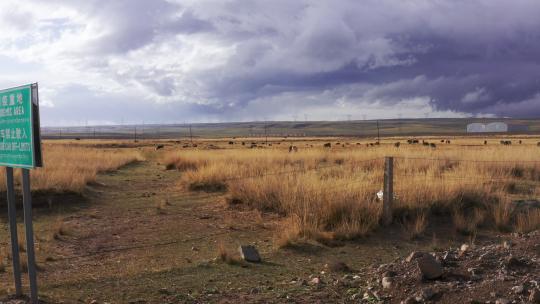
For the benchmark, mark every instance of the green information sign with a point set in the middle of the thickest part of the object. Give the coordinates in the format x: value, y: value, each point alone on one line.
x: 20, y: 143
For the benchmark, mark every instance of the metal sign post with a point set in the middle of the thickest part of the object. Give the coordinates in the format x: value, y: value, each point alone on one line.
x: 20, y: 147
x: 12, y: 214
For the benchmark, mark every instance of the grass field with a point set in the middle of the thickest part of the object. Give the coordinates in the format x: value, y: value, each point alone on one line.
x: 166, y: 228
x: 330, y: 192
x: 71, y: 168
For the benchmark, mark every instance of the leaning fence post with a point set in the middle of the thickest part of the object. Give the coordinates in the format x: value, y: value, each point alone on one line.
x: 388, y: 190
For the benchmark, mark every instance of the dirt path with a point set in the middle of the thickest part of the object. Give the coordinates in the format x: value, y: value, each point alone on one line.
x: 118, y: 247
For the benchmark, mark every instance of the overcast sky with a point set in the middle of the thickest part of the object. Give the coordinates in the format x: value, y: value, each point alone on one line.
x: 151, y: 61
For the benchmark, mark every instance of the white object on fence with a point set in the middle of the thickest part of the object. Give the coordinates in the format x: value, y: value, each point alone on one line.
x: 380, y: 195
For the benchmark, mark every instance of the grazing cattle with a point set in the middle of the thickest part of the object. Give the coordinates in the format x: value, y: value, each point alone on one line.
x: 357, y: 144
x: 158, y: 147
x: 432, y: 145
x: 185, y: 146
x: 485, y: 142
x: 293, y: 149
x: 243, y: 143
x: 425, y: 143
x: 253, y: 146
x: 194, y: 145
x: 231, y: 143
x: 519, y: 142
x: 506, y: 142
x: 377, y: 143
x: 327, y: 145
x: 77, y: 138
x: 396, y: 144
x: 412, y: 141
x: 442, y: 141
x: 447, y: 141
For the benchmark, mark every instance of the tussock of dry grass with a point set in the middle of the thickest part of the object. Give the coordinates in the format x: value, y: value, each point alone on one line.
x: 330, y: 193
x: 70, y: 169
x: 528, y: 221
x: 225, y: 256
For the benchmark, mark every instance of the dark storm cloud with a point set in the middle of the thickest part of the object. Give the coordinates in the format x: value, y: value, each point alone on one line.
x: 229, y: 57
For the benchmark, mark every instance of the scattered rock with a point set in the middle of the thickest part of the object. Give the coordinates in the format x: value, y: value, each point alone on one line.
x: 415, y: 255
x: 464, y: 248
x: 507, y: 245
x: 427, y: 294
x: 502, y: 301
x: 387, y: 282
x: 534, y: 296
x: 429, y: 267
x: 519, y: 289
x: 409, y: 300
x: 250, y: 254
x: 315, y: 281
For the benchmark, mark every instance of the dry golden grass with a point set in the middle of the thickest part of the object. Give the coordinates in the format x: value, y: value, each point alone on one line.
x: 225, y: 256
x: 416, y: 224
x: 528, y: 221
x: 330, y: 193
x: 71, y: 168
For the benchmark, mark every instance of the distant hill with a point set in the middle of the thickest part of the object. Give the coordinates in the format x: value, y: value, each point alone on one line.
x: 359, y: 128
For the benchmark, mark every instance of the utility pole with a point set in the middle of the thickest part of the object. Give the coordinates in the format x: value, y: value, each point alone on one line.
x: 190, y: 135
x: 378, y: 133
x: 135, y: 134
x: 399, y: 123
x: 266, y: 132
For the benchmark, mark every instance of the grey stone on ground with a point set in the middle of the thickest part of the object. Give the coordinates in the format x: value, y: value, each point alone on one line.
x: 250, y: 254
x: 429, y: 267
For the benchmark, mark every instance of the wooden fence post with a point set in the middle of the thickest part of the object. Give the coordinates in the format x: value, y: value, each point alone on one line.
x: 388, y: 190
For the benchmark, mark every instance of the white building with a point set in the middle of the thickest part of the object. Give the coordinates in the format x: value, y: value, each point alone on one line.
x: 491, y: 127
x: 476, y: 127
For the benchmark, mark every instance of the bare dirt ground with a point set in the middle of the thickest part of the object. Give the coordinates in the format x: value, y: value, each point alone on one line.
x: 136, y: 238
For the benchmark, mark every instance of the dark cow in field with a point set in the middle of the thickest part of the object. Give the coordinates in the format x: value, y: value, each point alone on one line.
x: 506, y: 142
x: 159, y: 147
x: 520, y: 142
x: 396, y: 144
x: 433, y: 145
x: 485, y: 142
x: 327, y: 145
x: 447, y: 141
x: 231, y: 143
x: 442, y: 141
